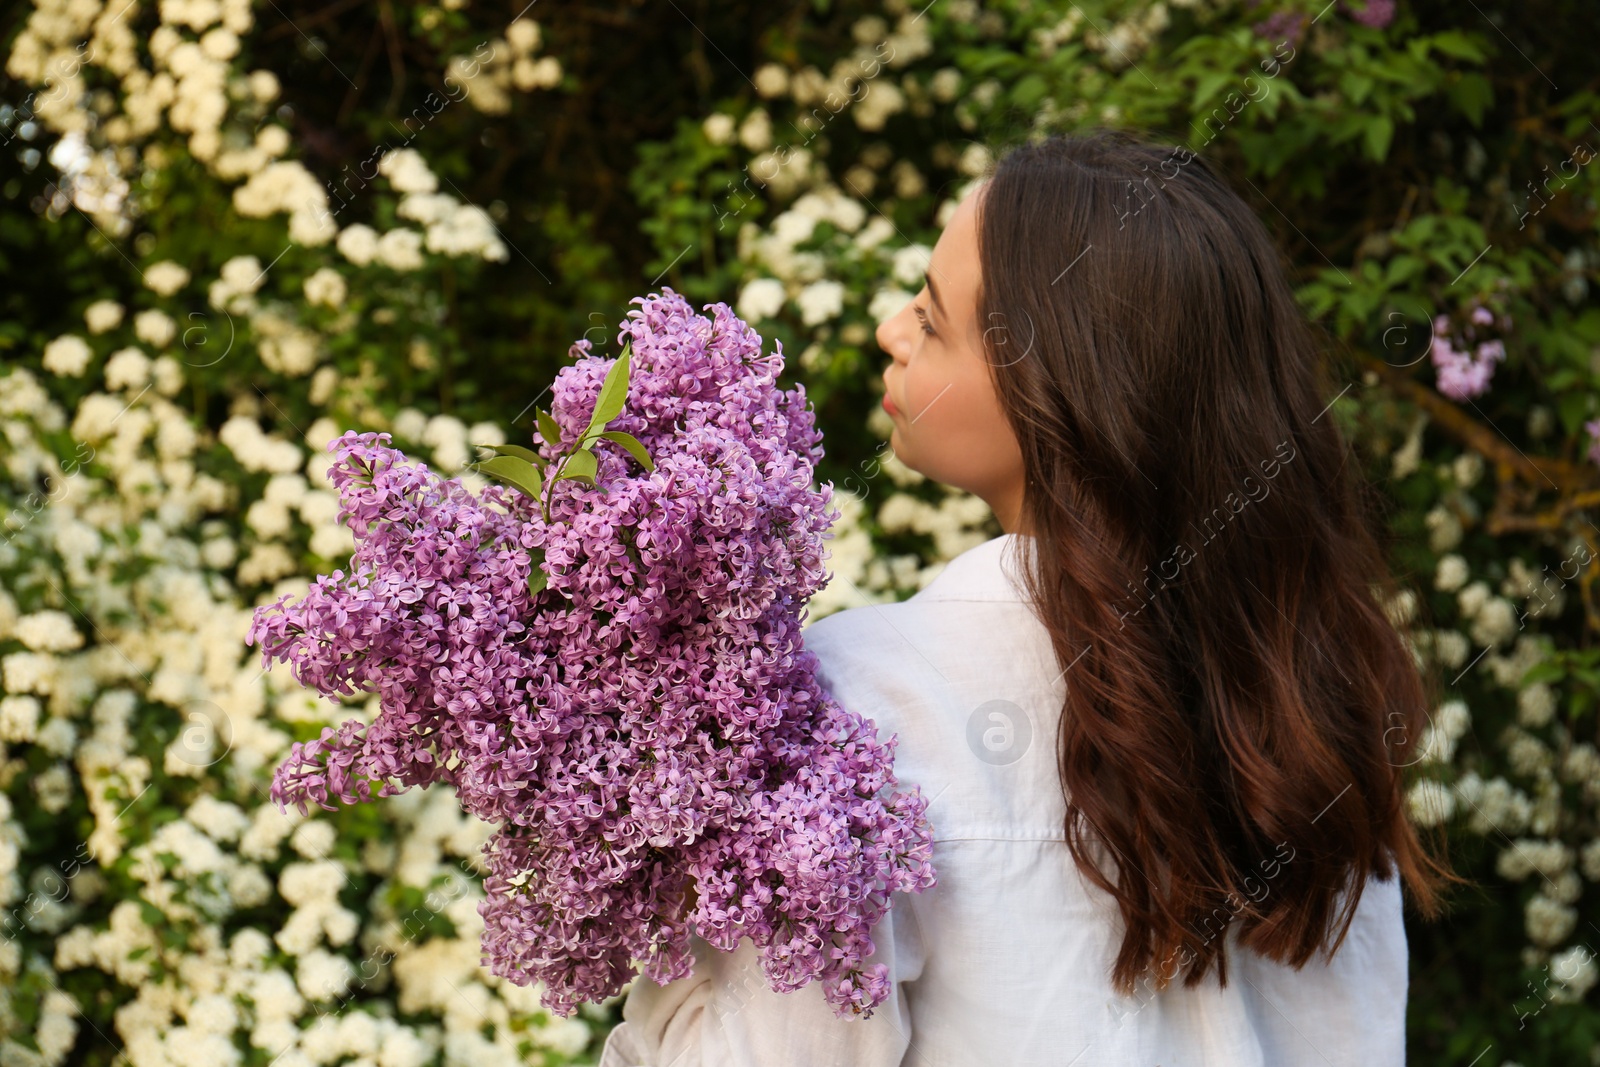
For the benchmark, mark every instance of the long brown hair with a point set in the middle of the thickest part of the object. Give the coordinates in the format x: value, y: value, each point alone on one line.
x: 1241, y: 705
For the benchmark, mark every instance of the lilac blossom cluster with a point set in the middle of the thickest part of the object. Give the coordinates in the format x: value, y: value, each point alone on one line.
x: 1291, y: 25
x: 1374, y: 13
x: 647, y: 730
x: 1465, y: 371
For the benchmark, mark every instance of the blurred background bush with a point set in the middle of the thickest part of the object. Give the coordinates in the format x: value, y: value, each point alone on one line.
x: 231, y: 230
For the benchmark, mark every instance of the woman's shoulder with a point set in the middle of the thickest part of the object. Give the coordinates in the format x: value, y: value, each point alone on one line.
x: 971, y: 696
x: 988, y: 571
x: 980, y: 584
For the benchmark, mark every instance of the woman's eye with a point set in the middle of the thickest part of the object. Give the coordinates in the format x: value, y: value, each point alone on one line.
x: 922, y: 317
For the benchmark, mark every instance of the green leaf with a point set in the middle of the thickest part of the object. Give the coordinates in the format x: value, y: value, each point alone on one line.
x: 1455, y: 43
x: 634, y: 447
x: 549, y: 429
x: 1029, y: 91
x: 1452, y: 197
x: 517, y: 473
x: 1420, y: 230
x: 1577, y: 703
x: 1402, y: 269
x: 1356, y: 86
x: 1587, y: 325
x: 1472, y: 94
x: 537, y: 578
x: 579, y: 465
x: 518, y: 451
x: 1574, y: 409
x: 1379, y: 132
x: 1207, y: 87
x: 613, y: 392
x: 1543, y: 672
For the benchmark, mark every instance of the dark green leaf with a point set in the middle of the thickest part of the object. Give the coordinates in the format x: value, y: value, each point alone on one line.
x: 1207, y: 87
x: 1472, y: 94
x: 1029, y: 91
x: 1356, y: 86
x: 1574, y: 409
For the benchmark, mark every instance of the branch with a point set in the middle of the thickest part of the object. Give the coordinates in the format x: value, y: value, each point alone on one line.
x: 1562, y: 475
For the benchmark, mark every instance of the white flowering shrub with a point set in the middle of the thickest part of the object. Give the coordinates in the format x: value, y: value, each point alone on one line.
x: 164, y: 472
x: 142, y: 853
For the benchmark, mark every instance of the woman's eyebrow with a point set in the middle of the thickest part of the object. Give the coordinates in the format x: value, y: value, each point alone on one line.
x: 927, y: 279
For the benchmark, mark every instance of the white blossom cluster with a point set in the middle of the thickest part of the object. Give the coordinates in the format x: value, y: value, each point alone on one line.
x: 1544, y: 839
x: 1128, y: 38
x: 490, y: 72
x: 195, y: 87
x: 91, y: 664
x: 1535, y: 747
x: 285, y: 187
x: 451, y: 227
x: 186, y: 89
x: 857, y: 245
x: 127, y: 595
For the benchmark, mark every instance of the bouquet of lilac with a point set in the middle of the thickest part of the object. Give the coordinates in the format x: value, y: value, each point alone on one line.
x: 603, y: 657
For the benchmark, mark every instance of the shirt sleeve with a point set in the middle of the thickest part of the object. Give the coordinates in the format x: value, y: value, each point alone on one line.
x: 726, y: 1015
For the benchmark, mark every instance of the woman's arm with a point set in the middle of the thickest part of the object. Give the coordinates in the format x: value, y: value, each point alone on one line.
x: 725, y: 1014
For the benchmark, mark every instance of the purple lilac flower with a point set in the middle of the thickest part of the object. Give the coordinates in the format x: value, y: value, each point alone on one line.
x: 1281, y: 26
x: 1374, y: 13
x: 1464, y: 372
x: 1593, y: 426
x: 1291, y: 25
x: 648, y: 722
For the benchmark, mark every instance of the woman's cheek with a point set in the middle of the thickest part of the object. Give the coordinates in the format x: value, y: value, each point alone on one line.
x: 918, y: 394
x: 931, y: 407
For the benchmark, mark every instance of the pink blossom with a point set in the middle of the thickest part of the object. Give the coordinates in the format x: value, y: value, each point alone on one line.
x: 1462, y: 375
x: 1374, y: 13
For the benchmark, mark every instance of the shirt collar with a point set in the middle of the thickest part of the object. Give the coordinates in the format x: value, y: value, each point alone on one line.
x: 987, y: 571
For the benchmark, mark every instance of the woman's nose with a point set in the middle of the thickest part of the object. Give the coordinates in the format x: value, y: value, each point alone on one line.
x: 890, y: 338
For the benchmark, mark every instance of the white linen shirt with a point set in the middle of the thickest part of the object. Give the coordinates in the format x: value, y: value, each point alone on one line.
x: 1007, y: 960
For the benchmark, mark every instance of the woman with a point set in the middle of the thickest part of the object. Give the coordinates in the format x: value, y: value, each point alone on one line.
x: 1165, y: 716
